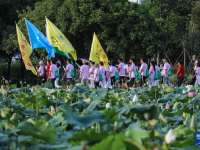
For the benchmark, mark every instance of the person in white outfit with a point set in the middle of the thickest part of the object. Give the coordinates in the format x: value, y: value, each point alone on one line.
x: 197, y: 75
x: 102, y: 71
x: 57, y: 79
x: 91, y: 75
x: 152, y: 71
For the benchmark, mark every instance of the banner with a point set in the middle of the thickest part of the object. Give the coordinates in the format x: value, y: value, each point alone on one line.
x: 38, y: 40
x: 97, y: 53
x: 57, y: 39
x: 26, y: 50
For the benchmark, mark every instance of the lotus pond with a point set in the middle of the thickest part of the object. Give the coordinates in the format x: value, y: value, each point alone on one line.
x: 39, y: 118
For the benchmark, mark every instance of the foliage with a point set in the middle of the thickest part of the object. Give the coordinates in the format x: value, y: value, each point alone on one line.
x: 42, y: 118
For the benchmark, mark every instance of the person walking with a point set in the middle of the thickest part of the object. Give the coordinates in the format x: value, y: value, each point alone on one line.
x: 180, y: 74
x: 194, y: 58
x: 85, y: 73
x: 143, y: 69
x: 102, y: 71
x: 41, y: 73
x: 68, y: 71
x: 131, y: 70
x: 158, y: 69
x: 52, y: 71
x: 111, y: 74
x: 48, y: 68
x: 107, y: 73
x: 96, y: 75
x: 153, y: 70
x: 121, y: 72
x: 166, y: 68
x: 57, y: 79
x: 197, y: 75
x: 91, y: 75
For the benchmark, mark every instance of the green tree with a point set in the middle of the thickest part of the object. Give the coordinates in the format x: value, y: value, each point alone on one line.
x: 124, y: 29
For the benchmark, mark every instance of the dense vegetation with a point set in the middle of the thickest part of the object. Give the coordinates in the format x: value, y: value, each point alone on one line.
x: 104, y: 119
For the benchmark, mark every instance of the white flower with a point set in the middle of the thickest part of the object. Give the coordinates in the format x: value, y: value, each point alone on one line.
x: 108, y: 105
x: 31, y: 90
x: 184, y: 92
x: 170, y: 137
x: 135, y: 98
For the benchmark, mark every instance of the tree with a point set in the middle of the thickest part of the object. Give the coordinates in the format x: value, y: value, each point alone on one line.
x: 124, y: 29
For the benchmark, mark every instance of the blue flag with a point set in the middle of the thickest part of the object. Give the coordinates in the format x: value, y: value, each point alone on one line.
x: 38, y: 40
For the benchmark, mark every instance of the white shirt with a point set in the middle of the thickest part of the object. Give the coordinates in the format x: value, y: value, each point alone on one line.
x: 53, y: 69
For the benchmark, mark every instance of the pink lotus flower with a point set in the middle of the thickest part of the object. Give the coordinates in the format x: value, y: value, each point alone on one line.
x: 18, y: 91
x: 163, y: 87
x: 179, y: 95
x: 192, y: 94
x: 156, y: 148
x: 167, y: 106
x: 6, y: 82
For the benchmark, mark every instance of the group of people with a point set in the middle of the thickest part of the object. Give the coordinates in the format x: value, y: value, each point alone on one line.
x: 127, y: 74
x: 48, y: 73
x: 96, y: 75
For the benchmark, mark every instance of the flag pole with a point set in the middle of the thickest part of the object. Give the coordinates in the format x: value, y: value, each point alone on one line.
x: 92, y: 45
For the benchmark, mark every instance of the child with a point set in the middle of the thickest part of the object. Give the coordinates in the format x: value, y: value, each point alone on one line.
x: 197, y: 75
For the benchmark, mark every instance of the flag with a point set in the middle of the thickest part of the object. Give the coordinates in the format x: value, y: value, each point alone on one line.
x: 38, y: 40
x: 97, y: 53
x: 26, y: 50
x: 62, y: 53
x: 57, y: 39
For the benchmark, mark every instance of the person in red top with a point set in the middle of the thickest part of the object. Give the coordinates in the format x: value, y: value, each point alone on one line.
x: 180, y: 74
x: 48, y: 67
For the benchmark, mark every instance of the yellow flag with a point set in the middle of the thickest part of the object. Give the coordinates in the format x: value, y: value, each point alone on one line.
x: 57, y: 39
x: 26, y: 50
x: 97, y: 53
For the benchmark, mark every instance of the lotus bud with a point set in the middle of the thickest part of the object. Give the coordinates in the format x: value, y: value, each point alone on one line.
x: 6, y: 81
x: 14, y: 117
x: 135, y: 98
x: 179, y: 95
x: 156, y: 148
x: 57, y: 108
x: 184, y: 92
x: 167, y: 106
x: 10, y: 81
x: 108, y: 105
x: 52, y: 109
x: 164, y: 87
x: 193, y: 124
x: 3, y: 78
x: 3, y: 114
x: 32, y: 90
x: 20, y: 82
x: 18, y: 91
x: 161, y: 106
x: 170, y: 137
